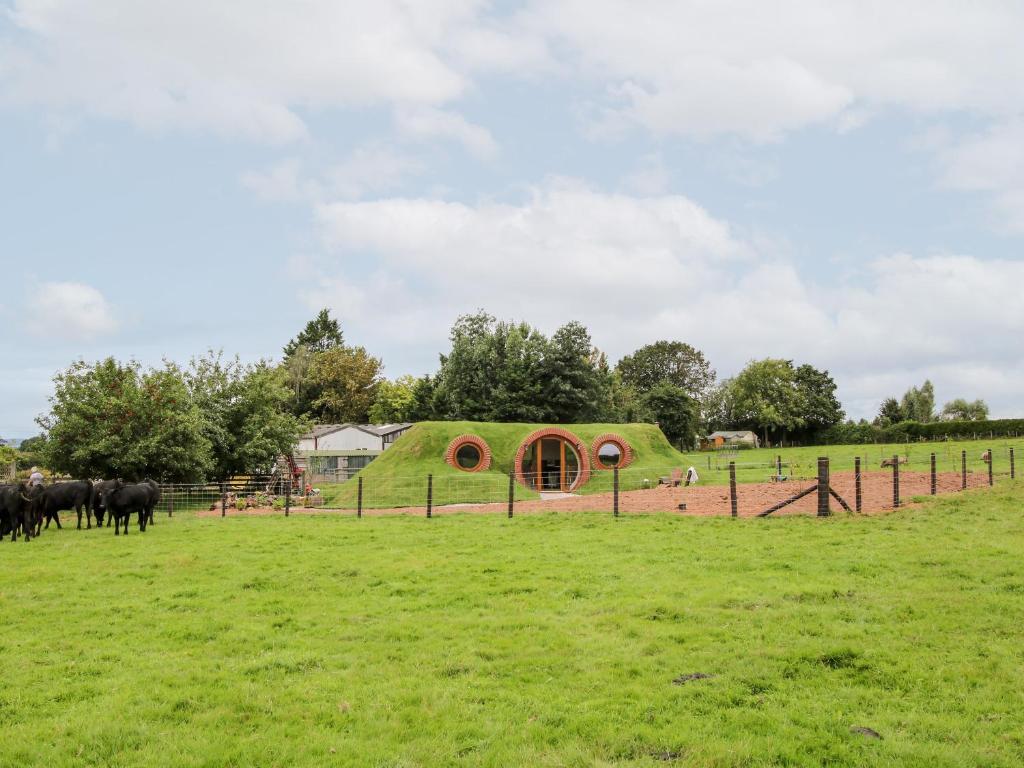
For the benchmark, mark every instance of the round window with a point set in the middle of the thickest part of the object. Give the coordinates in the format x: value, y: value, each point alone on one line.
x: 468, y: 456
x: 609, y: 454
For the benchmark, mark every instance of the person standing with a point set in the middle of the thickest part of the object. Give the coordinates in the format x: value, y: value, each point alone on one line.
x: 36, y: 478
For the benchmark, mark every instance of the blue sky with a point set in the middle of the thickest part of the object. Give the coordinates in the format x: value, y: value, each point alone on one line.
x: 840, y: 183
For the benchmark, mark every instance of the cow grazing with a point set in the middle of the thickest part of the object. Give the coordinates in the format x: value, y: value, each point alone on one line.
x: 98, y: 510
x: 17, y: 509
x: 76, y: 495
x: 122, y: 499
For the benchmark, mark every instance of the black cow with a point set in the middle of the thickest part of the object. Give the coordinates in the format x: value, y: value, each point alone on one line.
x: 76, y: 495
x: 98, y: 489
x: 154, y: 499
x: 121, y: 500
x: 17, y: 509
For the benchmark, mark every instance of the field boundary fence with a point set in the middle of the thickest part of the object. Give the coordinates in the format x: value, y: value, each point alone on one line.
x: 739, y: 489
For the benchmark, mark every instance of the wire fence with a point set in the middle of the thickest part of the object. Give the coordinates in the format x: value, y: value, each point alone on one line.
x: 742, y: 489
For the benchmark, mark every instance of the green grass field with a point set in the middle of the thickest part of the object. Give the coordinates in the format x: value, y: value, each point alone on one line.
x: 544, y: 640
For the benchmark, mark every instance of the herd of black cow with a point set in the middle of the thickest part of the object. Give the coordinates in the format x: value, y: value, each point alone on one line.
x: 24, y: 507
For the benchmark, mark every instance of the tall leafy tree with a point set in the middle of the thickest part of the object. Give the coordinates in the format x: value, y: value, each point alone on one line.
x: 394, y: 401
x: 676, y: 412
x: 111, y: 419
x: 765, y: 395
x: 346, y: 379
x: 576, y: 379
x: 320, y: 334
x: 962, y: 410
x: 819, y: 406
x: 918, y: 404
x: 890, y: 412
x: 673, y: 361
x: 246, y: 413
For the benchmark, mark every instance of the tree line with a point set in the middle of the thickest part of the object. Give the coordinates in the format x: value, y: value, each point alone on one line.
x: 216, y: 417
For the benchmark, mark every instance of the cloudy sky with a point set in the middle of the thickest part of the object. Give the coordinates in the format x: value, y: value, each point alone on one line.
x: 839, y: 183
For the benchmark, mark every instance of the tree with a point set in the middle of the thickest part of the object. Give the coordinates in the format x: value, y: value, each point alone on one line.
x: 394, y: 401
x: 296, y: 369
x: 765, y: 395
x: 577, y: 382
x: 919, y: 404
x: 115, y: 420
x: 961, y: 410
x: 422, y: 406
x: 890, y: 412
x: 346, y: 379
x: 675, y: 411
x: 673, y: 361
x: 819, y: 406
x: 320, y: 334
x: 246, y: 413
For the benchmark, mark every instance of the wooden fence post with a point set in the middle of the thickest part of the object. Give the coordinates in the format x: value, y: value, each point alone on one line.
x: 963, y: 470
x: 732, y: 489
x: 991, y: 461
x: 511, y: 490
x: 359, y: 497
x: 778, y: 467
x: 223, y: 501
x: 895, y: 481
x: 856, y: 480
x: 288, y: 497
x: 615, y: 492
x: 170, y: 500
x: 933, y: 475
x: 430, y: 494
x: 823, y: 510
x: 1013, y: 469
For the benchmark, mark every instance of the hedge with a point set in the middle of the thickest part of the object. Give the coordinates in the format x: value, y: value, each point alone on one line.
x: 912, y: 431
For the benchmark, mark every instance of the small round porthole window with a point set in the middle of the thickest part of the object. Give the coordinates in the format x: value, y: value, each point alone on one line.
x: 609, y: 455
x: 468, y: 456
x: 611, y: 452
x: 468, y: 453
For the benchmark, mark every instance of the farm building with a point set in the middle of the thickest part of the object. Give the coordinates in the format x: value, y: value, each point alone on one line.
x: 722, y: 439
x: 336, y: 452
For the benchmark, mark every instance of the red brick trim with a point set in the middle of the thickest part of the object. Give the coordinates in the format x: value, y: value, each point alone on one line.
x: 569, y: 437
x: 625, y: 450
x: 461, y: 440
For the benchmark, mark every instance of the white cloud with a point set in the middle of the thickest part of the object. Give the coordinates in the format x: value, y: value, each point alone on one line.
x: 69, y: 312
x: 759, y: 70
x: 639, y: 269
x: 233, y: 68
x: 990, y: 161
x: 425, y: 123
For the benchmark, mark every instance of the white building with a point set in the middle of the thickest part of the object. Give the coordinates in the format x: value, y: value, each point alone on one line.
x: 336, y: 452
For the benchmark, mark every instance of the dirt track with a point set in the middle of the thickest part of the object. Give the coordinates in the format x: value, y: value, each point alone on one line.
x: 752, y: 498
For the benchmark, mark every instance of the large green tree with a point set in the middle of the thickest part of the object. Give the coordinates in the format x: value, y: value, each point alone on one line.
x: 346, y: 380
x: 889, y: 412
x: 918, y: 404
x: 676, y: 413
x: 962, y: 410
x: 819, y: 406
x: 673, y: 361
x: 394, y: 401
x: 246, y: 413
x: 577, y: 381
x: 110, y: 419
x: 765, y: 395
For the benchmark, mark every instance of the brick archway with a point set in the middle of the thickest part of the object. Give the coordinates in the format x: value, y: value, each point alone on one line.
x: 474, y: 440
x: 625, y: 450
x: 563, y: 434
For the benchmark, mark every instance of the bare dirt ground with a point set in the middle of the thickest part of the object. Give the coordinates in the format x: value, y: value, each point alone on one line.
x: 712, y: 500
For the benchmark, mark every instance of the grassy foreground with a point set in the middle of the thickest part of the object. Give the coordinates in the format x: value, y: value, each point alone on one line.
x: 544, y: 640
